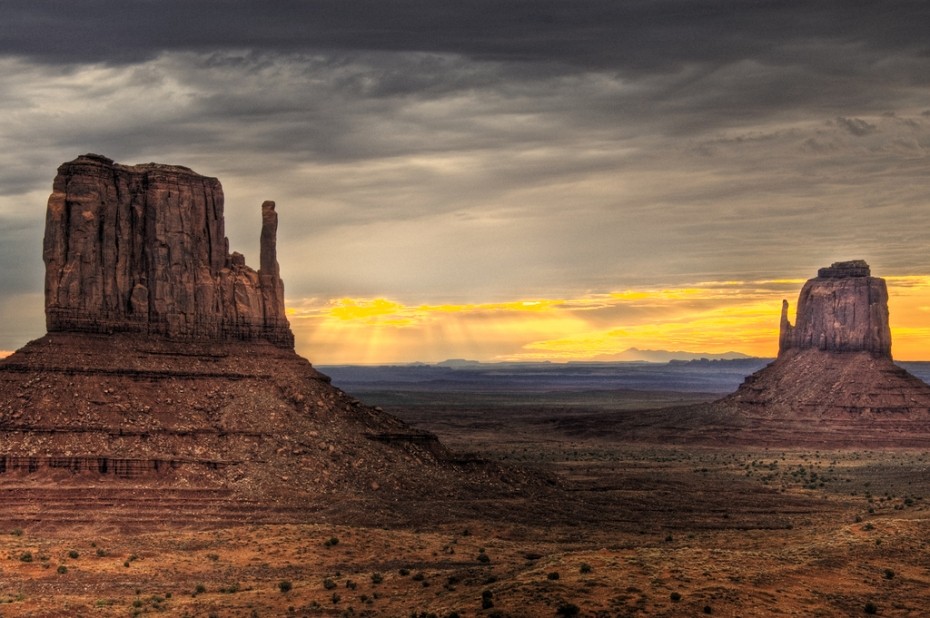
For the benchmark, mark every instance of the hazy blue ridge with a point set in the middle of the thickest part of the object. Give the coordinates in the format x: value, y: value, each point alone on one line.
x: 720, y: 376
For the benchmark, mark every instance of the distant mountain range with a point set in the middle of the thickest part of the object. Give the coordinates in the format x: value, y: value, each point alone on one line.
x: 664, y: 356
x: 626, y: 356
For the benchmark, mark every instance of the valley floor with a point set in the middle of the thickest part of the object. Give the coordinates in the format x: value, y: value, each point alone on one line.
x: 626, y: 530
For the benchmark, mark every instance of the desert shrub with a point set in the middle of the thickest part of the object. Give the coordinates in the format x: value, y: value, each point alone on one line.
x: 62, y: 570
x: 17, y: 532
x: 101, y: 552
x: 26, y: 556
x: 213, y: 557
x: 336, y: 598
x: 73, y: 554
x: 200, y: 589
x: 870, y: 608
x: 553, y: 576
x: 418, y: 577
x: 285, y: 586
x: 351, y: 585
x: 708, y: 609
x: 567, y: 609
x: 329, y: 584
x: 487, y: 599
x: 404, y: 572
x: 585, y: 567
x: 331, y: 542
x: 483, y: 558
x: 889, y: 574
x: 675, y: 597
x: 377, y: 578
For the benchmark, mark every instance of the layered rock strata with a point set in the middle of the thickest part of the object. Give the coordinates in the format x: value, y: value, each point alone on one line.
x: 246, y: 430
x: 143, y: 249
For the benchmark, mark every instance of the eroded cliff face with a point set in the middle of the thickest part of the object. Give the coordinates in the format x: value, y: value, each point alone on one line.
x: 843, y: 309
x: 143, y: 249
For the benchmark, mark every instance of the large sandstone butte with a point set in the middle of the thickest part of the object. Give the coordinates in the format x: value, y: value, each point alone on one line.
x: 167, y: 387
x: 142, y: 249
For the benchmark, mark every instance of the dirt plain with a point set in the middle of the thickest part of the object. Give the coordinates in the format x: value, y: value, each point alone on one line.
x: 619, y: 529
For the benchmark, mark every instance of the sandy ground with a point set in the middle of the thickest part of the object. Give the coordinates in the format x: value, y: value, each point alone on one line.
x: 628, y: 530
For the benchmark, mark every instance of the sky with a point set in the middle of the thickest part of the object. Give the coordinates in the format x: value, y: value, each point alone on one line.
x: 495, y: 179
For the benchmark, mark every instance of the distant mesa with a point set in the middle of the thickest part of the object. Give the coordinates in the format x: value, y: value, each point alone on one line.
x: 459, y: 363
x: 665, y: 356
x: 167, y: 387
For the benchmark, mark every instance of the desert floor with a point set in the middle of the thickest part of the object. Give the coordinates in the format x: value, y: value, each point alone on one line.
x: 626, y: 530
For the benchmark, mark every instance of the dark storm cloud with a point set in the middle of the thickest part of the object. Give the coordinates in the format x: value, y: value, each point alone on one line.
x: 645, y: 35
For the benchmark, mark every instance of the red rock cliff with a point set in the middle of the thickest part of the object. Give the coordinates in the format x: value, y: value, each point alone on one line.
x: 143, y: 249
x: 843, y: 309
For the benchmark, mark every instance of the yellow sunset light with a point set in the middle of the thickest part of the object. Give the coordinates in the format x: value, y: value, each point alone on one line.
x: 709, y: 317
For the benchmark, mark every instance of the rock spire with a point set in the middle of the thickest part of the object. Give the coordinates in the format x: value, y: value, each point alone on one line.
x: 142, y: 249
x: 843, y: 309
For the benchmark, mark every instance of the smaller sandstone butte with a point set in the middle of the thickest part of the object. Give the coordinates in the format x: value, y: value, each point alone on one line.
x: 833, y: 384
x: 843, y: 309
x: 142, y: 249
x: 834, y: 381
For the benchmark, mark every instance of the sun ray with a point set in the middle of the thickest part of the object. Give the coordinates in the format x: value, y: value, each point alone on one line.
x: 708, y: 317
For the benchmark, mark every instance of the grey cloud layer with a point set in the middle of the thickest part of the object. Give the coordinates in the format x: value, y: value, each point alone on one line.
x: 438, y: 150
x: 638, y: 35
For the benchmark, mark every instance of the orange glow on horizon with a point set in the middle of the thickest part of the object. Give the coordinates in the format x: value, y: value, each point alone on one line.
x: 706, y: 317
